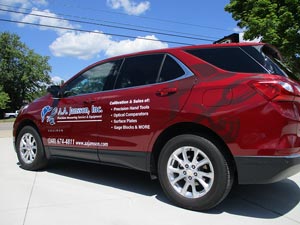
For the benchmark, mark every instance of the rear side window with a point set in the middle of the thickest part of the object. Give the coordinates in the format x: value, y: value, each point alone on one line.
x: 270, y: 59
x: 229, y: 58
x: 171, y: 70
x: 140, y: 70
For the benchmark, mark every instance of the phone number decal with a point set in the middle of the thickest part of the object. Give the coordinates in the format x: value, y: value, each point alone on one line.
x: 70, y: 141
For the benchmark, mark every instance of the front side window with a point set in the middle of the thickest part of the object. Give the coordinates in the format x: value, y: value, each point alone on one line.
x: 139, y: 70
x: 96, y: 79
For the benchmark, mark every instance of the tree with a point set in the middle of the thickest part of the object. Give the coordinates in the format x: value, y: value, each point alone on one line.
x: 24, y: 74
x: 4, y: 98
x: 276, y: 21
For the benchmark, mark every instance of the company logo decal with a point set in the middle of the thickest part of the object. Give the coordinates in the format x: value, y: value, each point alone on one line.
x: 46, y: 110
x: 52, y: 115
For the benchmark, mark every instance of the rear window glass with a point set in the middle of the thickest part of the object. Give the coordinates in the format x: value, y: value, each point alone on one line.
x: 139, y: 70
x: 229, y: 58
x: 270, y: 59
x: 171, y: 70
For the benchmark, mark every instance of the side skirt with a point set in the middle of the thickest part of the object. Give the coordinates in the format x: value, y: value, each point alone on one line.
x: 129, y: 159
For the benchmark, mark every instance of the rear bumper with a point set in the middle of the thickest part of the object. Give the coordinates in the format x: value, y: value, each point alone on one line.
x: 266, y: 169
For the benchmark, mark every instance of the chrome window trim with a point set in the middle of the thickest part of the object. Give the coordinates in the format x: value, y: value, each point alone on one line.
x: 186, y: 70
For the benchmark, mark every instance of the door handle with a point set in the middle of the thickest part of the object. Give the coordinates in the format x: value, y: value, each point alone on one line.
x: 166, y: 91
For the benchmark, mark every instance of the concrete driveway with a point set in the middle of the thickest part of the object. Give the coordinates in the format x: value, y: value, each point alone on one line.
x: 79, y: 193
x: 6, y: 129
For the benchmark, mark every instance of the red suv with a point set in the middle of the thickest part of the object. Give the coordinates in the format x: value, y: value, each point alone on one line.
x: 198, y: 117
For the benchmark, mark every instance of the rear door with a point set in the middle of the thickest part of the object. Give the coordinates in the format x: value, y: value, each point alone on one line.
x: 150, y: 91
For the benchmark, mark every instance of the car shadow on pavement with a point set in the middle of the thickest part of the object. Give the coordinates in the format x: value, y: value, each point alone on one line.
x: 260, y: 201
x: 116, y: 177
x: 266, y: 201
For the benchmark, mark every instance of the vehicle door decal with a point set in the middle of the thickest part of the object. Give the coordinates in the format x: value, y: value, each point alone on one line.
x: 44, y: 112
x: 63, y: 114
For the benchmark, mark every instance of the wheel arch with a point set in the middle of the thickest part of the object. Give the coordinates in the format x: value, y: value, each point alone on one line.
x: 24, y: 123
x: 188, y: 128
x: 37, y: 159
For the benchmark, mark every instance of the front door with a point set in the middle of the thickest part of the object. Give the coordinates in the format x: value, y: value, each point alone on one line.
x: 74, y: 119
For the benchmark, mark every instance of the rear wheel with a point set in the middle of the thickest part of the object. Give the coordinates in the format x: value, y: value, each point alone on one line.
x: 30, y: 149
x: 193, y: 172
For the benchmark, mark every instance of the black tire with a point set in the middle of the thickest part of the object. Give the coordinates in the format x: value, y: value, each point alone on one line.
x: 199, y: 187
x: 30, y: 149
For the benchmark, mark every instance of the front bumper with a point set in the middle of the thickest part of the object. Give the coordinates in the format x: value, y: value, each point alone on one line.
x: 266, y: 169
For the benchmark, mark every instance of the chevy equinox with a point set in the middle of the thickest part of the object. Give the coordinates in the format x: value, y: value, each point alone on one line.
x: 197, y: 117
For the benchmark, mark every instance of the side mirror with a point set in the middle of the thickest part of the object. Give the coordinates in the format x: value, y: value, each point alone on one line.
x: 54, y: 90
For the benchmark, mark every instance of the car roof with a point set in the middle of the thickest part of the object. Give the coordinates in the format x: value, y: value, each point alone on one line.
x: 169, y: 50
x: 184, y: 48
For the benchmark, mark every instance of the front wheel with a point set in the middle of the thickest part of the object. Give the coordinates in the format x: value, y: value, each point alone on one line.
x: 193, y: 172
x: 30, y: 149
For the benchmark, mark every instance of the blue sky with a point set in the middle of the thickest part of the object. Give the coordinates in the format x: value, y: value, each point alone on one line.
x: 71, y: 50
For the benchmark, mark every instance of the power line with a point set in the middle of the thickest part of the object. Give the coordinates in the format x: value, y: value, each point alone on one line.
x: 146, y: 17
x: 123, y: 24
x: 100, y: 24
x: 89, y: 31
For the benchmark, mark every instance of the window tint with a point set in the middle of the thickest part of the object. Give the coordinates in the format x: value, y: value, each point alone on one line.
x: 229, y: 58
x: 268, y: 58
x: 98, y: 78
x: 171, y: 70
x: 140, y: 70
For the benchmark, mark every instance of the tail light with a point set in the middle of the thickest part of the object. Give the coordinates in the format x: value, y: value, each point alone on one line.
x: 277, y: 90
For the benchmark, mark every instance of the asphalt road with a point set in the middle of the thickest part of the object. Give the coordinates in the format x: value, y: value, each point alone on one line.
x: 79, y: 193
